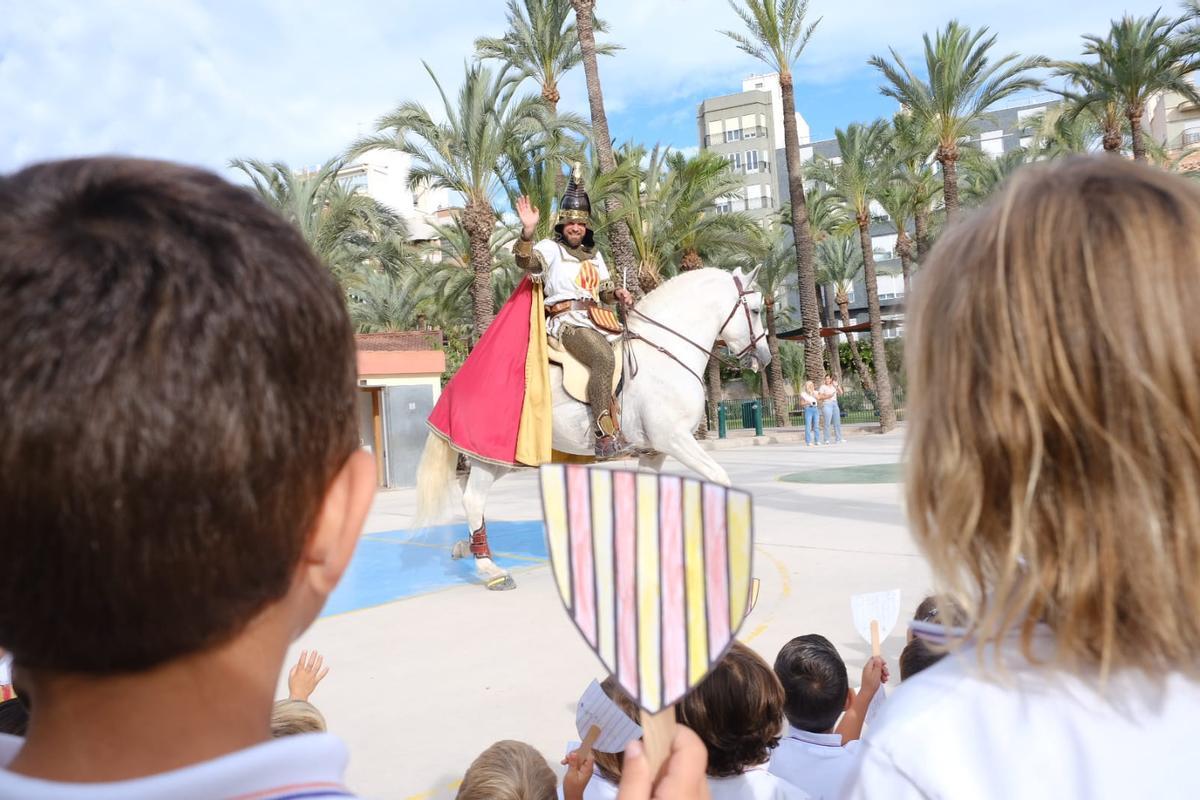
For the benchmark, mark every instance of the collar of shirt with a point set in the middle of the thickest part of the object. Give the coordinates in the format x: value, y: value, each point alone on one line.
x: 822, y: 739
x: 305, y: 766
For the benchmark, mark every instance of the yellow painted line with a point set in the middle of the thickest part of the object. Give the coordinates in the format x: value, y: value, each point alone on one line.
x: 432, y: 792
x: 785, y: 583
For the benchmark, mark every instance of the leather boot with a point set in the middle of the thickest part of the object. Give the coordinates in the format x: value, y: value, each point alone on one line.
x: 610, y: 443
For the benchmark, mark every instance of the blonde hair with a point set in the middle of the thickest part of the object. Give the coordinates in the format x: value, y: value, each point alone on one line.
x: 509, y: 770
x: 289, y: 717
x: 809, y: 386
x: 1051, y: 340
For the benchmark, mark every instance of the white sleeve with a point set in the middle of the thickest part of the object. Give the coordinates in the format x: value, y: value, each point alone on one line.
x: 549, y: 250
x: 878, y: 776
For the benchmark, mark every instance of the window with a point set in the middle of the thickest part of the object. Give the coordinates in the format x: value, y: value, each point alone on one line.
x: 724, y: 207
x: 737, y: 161
x: 993, y: 147
x: 734, y: 135
x: 751, y: 161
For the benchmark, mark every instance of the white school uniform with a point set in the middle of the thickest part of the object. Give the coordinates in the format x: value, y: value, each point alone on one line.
x: 755, y: 783
x: 818, y: 763
x: 1031, y: 732
x: 598, y: 787
x: 307, y: 766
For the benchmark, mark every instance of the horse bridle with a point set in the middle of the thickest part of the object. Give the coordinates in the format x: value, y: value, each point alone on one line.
x: 741, y: 302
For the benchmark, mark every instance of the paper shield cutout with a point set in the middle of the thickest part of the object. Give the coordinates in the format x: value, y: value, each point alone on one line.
x: 883, y: 607
x: 654, y: 570
x: 755, y: 583
x: 616, y: 728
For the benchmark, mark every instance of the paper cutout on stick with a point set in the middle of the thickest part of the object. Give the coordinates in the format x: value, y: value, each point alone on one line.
x: 755, y: 584
x: 882, y: 608
x: 654, y: 570
x: 597, y: 710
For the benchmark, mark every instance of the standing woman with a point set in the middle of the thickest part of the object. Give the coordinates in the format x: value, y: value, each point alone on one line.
x: 828, y: 395
x: 809, y: 398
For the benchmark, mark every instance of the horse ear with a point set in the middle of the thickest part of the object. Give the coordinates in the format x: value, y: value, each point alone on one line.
x: 751, y: 277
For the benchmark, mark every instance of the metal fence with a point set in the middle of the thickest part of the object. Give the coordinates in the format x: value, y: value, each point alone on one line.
x: 853, y: 404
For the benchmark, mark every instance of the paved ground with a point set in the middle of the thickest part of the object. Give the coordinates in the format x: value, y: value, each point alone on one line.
x: 428, y: 668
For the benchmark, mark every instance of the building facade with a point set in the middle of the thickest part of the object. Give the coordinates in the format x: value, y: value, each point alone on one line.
x: 1173, y: 121
x: 383, y: 175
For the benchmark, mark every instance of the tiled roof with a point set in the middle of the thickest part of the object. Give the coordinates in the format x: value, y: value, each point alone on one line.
x: 399, y: 340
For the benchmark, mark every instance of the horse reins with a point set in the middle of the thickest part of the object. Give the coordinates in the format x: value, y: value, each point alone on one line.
x: 629, y: 335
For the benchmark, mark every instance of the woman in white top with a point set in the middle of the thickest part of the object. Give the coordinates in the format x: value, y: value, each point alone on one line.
x: 809, y: 399
x: 737, y: 711
x: 1052, y: 336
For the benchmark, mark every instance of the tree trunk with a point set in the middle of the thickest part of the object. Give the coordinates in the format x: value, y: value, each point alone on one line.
x: 883, y: 383
x: 831, y: 344
x: 806, y: 279
x: 1112, y: 140
x: 864, y: 375
x: 949, y: 161
x: 776, y: 368
x: 904, y: 247
x: 921, y: 232
x: 551, y: 96
x: 714, y: 388
x: 619, y: 237
x: 1135, y: 131
x: 478, y: 219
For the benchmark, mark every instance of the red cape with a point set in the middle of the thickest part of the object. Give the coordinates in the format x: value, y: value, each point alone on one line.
x: 479, y: 411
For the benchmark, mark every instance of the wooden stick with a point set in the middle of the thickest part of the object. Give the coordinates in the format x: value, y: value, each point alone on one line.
x: 875, y: 650
x: 585, y: 749
x: 658, y: 731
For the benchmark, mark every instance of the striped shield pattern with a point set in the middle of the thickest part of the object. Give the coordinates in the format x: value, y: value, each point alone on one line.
x: 654, y: 570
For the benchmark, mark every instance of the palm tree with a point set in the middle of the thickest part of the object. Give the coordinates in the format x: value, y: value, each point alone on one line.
x: 619, y: 240
x: 776, y: 35
x: 669, y: 208
x: 1139, y: 57
x: 914, y: 146
x: 773, y: 282
x: 465, y: 154
x: 1061, y: 131
x: 865, y: 166
x: 840, y: 263
x: 985, y: 174
x: 541, y: 43
x: 962, y: 85
x: 1091, y: 96
x: 898, y: 200
x: 362, y: 242
x: 448, y: 277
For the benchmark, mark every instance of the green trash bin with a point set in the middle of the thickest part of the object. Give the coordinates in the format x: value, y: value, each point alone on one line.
x: 748, y: 414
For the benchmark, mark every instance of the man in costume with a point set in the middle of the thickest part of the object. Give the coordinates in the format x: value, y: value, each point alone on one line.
x: 575, y: 281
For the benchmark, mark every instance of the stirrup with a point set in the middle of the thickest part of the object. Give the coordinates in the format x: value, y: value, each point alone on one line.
x: 612, y: 445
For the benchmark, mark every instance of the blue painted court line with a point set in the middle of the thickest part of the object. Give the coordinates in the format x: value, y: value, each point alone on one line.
x: 393, y: 565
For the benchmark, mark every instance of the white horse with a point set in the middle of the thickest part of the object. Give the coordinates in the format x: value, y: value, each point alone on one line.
x: 673, y: 330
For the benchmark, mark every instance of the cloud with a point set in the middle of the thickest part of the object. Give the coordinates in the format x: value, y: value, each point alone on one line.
x: 296, y: 80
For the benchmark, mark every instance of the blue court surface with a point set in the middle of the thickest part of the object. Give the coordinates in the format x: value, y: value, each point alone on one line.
x: 392, y: 565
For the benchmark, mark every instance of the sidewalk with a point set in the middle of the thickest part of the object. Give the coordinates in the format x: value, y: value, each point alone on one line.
x: 744, y: 437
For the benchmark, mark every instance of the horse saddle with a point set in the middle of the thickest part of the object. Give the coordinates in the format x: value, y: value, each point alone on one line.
x: 576, y: 373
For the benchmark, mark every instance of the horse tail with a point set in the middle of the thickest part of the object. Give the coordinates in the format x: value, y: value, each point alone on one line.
x: 435, y: 476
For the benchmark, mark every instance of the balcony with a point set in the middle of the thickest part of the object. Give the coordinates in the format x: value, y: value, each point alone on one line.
x: 1189, y: 137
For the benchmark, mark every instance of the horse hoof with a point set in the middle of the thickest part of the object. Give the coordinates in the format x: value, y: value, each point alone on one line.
x: 501, y: 583
x: 461, y: 549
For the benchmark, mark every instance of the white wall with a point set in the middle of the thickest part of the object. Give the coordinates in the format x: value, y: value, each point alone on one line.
x: 770, y: 83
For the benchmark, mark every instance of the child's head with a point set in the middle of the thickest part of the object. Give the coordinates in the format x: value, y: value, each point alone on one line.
x: 290, y: 717
x: 509, y: 770
x: 609, y: 764
x: 1053, y: 444
x: 176, y: 373
x: 737, y: 710
x: 814, y: 681
x: 916, y: 656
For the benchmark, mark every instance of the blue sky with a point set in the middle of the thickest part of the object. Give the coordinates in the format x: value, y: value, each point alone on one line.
x: 203, y: 81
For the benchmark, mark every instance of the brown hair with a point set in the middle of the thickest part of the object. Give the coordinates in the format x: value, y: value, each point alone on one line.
x: 1051, y: 341
x: 509, y: 770
x: 290, y: 717
x: 609, y: 765
x: 176, y: 374
x: 737, y: 710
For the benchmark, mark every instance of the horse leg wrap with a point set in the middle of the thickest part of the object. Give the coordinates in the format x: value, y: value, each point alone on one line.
x: 479, y: 543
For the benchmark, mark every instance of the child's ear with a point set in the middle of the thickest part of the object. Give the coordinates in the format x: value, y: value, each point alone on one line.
x: 849, y: 699
x: 339, y: 522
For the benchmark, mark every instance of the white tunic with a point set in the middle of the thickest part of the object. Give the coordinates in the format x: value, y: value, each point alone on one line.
x: 754, y: 784
x: 1031, y: 733
x: 568, y: 278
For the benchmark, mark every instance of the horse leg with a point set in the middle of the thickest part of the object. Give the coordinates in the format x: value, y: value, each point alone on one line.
x: 652, y: 462
x: 683, y: 446
x: 479, y: 483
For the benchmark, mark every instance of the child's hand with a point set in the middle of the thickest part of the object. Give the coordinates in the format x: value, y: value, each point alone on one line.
x: 305, y: 676
x: 579, y: 772
x: 682, y: 777
x: 875, y: 673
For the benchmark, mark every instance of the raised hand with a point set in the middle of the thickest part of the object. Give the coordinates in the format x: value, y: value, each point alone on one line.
x: 529, y: 215
x: 305, y: 675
